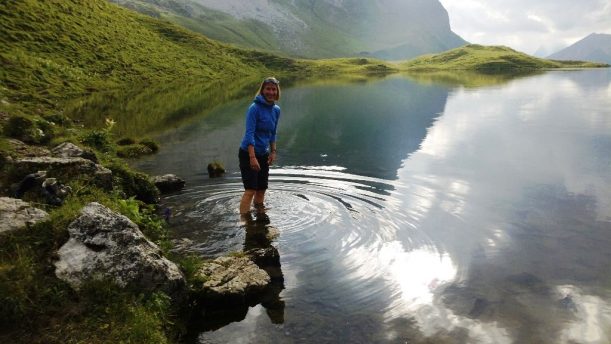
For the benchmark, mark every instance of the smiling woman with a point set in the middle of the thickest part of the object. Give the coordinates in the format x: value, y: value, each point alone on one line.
x: 258, y: 147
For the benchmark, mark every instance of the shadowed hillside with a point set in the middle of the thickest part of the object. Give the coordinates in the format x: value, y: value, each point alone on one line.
x: 388, y: 29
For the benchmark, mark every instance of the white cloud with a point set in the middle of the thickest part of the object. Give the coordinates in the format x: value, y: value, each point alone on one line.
x: 528, y: 25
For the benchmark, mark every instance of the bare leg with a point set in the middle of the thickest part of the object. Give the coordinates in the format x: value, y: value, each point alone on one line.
x: 259, y: 198
x: 246, y: 201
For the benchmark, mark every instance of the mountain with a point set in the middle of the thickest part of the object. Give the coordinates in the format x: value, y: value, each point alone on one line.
x: 595, y: 47
x: 388, y: 29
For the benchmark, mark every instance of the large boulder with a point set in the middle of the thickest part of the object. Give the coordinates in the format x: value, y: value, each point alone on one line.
x: 168, y: 183
x: 16, y: 214
x: 231, y: 281
x: 104, y: 245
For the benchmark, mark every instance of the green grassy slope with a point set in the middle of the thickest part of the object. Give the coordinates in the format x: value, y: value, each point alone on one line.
x: 213, y: 24
x: 488, y: 59
x: 56, y: 50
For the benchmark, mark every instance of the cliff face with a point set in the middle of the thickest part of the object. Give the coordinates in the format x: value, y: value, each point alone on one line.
x: 391, y: 29
x: 595, y: 47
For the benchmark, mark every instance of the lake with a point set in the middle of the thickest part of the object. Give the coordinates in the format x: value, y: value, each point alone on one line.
x: 416, y: 210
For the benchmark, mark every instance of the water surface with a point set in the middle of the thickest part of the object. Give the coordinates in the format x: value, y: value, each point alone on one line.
x: 413, y: 212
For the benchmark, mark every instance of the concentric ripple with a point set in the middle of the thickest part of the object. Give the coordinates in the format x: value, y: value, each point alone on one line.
x: 308, y: 205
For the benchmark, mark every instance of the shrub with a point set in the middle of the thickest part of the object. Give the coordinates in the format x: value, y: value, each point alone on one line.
x: 133, y: 151
x: 98, y: 139
x: 27, y: 130
x: 134, y: 183
x: 58, y: 119
x: 126, y: 141
x: 154, y: 146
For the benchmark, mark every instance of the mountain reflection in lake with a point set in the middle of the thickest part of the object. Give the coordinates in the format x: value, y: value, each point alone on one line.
x: 419, y: 213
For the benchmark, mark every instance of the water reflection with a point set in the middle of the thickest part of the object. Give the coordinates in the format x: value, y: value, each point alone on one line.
x: 367, y: 129
x: 467, y: 79
x: 147, y: 109
x: 531, y: 211
x: 418, y: 213
x: 259, y: 247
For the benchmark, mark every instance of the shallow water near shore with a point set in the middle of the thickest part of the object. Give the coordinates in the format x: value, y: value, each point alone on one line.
x: 417, y: 212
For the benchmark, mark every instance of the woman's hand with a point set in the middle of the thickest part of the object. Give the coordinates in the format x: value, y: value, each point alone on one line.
x: 254, y: 164
x: 272, y: 157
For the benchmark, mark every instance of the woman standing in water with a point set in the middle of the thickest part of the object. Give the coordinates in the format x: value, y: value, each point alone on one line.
x: 258, y: 147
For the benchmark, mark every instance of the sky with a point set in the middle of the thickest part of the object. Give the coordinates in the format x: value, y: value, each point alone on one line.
x: 536, y: 27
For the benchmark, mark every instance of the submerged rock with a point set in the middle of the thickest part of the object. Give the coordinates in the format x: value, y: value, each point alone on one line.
x: 168, y: 183
x: 16, y: 214
x: 215, y: 169
x: 104, y: 245
x: 264, y: 256
x: 231, y: 281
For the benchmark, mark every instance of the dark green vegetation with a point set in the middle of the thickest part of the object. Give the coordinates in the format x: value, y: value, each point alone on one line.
x: 489, y: 59
x: 104, y: 78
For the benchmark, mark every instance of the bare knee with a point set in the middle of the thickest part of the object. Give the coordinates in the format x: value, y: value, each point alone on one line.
x: 249, y: 193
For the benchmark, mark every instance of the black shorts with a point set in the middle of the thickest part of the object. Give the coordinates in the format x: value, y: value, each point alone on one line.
x: 252, y: 179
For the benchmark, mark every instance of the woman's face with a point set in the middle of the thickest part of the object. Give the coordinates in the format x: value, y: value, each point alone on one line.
x: 270, y: 92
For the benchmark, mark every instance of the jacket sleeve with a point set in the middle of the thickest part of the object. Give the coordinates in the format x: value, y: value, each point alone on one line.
x: 273, y: 136
x: 251, y: 125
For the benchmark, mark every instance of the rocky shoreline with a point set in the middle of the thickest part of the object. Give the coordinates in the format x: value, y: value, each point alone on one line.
x: 102, y: 245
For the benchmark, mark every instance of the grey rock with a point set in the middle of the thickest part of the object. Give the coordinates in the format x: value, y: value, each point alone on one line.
x: 102, y: 177
x: 67, y: 150
x: 104, y: 245
x: 21, y: 149
x: 16, y: 214
x: 168, y: 183
x: 70, y: 150
x: 55, y: 192
x: 232, y: 280
x: 64, y: 169
x: 264, y: 256
x: 29, y: 182
x: 54, y: 166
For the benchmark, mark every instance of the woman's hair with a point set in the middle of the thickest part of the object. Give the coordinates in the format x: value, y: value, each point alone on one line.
x: 270, y: 80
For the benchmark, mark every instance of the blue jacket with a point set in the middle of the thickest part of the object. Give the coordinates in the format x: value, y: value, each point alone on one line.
x: 261, y: 123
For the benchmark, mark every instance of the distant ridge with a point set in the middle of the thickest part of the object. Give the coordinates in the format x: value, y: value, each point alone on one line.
x: 596, y: 47
x: 489, y: 59
x: 387, y: 29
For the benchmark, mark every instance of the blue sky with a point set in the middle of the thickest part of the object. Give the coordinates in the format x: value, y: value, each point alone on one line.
x: 528, y: 25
